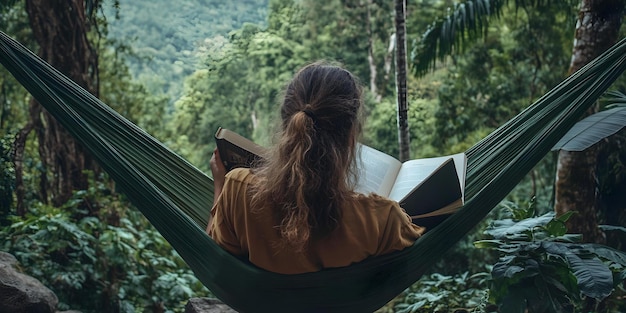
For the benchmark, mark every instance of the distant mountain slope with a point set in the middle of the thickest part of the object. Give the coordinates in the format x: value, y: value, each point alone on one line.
x: 165, y: 34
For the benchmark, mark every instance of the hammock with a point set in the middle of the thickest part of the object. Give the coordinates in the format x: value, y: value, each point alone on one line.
x: 176, y: 197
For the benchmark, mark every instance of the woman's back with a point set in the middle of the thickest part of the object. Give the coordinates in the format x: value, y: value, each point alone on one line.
x: 371, y: 225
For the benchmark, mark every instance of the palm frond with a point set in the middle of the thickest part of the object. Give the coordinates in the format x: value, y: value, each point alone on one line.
x: 463, y: 24
x: 467, y: 20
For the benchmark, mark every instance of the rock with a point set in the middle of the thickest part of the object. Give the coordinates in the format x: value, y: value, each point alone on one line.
x: 8, y: 259
x: 207, y: 305
x: 20, y: 293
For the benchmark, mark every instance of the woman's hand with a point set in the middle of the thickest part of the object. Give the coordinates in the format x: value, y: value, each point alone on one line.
x: 219, y: 172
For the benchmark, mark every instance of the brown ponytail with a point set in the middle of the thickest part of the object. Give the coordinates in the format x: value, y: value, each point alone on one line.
x: 306, y: 179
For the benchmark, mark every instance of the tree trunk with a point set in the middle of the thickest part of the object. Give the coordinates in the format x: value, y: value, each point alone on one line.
x: 403, y: 106
x: 375, y: 81
x: 388, y: 60
x: 576, y: 186
x: 60, y: 28
x: 577, y: 190
x: 370, y: 52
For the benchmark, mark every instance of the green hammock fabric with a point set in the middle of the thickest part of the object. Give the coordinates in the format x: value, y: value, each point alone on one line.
x: 176, y: 197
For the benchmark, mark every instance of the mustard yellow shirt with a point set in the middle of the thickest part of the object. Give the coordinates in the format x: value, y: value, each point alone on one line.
x: 370, y: 226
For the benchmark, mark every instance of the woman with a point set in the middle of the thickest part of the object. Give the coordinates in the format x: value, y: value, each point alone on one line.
x: 296, y: 212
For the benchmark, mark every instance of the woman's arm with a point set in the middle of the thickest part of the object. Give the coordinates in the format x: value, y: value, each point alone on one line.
x: 219, y: 173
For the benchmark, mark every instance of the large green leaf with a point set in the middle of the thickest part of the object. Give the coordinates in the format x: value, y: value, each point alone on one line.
x: 612, y: 228
x: 502, y: 270
x: 595, y: 279
x: 506, y: 227
x: 607, y: 253
x: 592, y: 129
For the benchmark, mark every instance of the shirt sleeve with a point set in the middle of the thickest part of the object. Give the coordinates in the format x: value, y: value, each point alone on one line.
x: 399, y: 231
x: 222, y: 229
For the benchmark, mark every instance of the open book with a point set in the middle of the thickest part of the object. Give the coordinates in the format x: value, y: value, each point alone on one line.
x: 424, y: 187
x: 428, y: 189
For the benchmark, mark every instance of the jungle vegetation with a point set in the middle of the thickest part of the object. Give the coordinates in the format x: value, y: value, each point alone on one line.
x: 181, y: 69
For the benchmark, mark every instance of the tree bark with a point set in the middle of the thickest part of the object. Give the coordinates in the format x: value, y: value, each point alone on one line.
x: 576, y: 187
x: 370, y: 52
x: 577, y: 190
x: 18, y: 161
x: 401, y: 85
x: 375, y: 81
x: 60, y: 28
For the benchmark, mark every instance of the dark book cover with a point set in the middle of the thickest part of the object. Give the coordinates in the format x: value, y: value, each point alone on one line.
x: 236, y: 150
x: 234, y: 156
x: 439, y: 192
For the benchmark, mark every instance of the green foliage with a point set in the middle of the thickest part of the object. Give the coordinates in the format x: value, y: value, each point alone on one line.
x: 7, y: 178
x: 541, y: 269
x: 440, y: 293
x: 13, y: 18
x: 237, y: 90
x: 544, y: 269
x: 113, y: 262
x: 461, y: 25
x: 611, y: 174
x: 524, y: 54
x: 343, y: 31
x: 380, y: 129
x: 486, y: 88
x: 467, y: 20
x: 538, y: 185
x: 242, y: 78
x: 13, y: 97
x: 13, y: 103
x: 130, y: 98
x: 167, y: 36
x: 244, y: 74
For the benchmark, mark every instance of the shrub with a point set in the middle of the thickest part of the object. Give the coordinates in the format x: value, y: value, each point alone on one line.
x: 544, y: 269
x: 113, y: 262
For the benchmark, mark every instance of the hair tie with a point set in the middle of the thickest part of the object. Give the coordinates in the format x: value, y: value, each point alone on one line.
x: 310, y: 114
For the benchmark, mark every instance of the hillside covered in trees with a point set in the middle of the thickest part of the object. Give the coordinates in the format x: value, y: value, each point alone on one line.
x: 167, y: 37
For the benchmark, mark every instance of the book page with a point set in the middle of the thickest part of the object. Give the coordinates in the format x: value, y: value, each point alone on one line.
x: 448, y: 209
x: 377, y: 171
x: 413, y: 173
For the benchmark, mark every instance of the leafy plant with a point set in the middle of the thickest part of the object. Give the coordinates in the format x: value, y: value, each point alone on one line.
x: 544, y: 269
x: 596, y: 127
x: 443, y: 293
x: 7, y: 179
x: 113, y: 262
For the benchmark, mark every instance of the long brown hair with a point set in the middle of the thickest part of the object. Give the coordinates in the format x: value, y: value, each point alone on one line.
x: 307, y: 178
